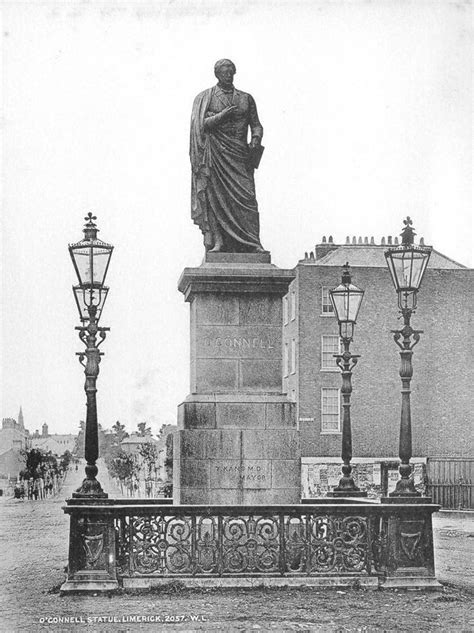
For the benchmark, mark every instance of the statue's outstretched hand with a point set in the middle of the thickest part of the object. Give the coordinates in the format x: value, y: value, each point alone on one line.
x: 212, y: 120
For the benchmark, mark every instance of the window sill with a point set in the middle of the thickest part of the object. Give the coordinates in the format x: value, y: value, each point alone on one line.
x: 331, y: 371
x: 327, y: 314
x: 330, y: 433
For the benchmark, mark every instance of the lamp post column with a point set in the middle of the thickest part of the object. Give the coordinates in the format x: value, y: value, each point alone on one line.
x: 405, y: 486
x: 346, y: 362
x: 346, y: 300
x: 88, y: 335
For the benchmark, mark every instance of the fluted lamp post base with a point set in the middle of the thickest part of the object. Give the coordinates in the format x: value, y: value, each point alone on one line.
x: 347, y: 487
x: 90, y: 487
x: 405, y: 486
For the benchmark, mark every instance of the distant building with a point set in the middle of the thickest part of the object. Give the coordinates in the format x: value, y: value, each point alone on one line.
x: 11, y: 464
x: 14, y: 439
x: 132, y: 443
x: 13, y: 434
x: 57, y: 443
x: 442, y: 396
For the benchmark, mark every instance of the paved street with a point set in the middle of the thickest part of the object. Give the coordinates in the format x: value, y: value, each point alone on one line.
x: 34, y: 539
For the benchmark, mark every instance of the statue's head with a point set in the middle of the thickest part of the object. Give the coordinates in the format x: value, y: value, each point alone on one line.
x: 225, y: 70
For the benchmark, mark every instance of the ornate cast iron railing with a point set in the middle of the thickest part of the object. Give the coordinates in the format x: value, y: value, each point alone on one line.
x: 258, y: 543
x: 120, y: 542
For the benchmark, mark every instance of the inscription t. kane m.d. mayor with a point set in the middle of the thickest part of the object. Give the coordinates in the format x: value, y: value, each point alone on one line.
x: 236, y: 474
x: 244, y: 473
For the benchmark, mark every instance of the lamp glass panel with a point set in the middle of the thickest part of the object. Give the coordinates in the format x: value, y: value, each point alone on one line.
x: 407, y: 267
x: 388, y: 257
x: 91, y: 261
x: 81, y: 256
x: 355, y: 299
x: 420, y: 261
x: 402, y: 265
x: 101, y: 259
x: 407, y: 299
x: 88, y: 296
x: 346, y: 300
x: 340, y: 302
x: 346, y: 329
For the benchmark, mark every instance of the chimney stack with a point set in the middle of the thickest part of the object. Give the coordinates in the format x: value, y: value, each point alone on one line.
x: 326, y: 246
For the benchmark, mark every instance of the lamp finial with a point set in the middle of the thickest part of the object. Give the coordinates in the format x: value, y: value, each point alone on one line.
x: 90, y: 229
x: 408, y: 233
x: 90, y: 218
x: 346, y: 274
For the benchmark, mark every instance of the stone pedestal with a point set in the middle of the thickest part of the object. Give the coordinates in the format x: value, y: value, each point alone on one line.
x: 406, y: 537
x: 92, y: 565
x: 237, y: 441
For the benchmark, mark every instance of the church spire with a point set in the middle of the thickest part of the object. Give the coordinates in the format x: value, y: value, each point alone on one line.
x: 20, y: 419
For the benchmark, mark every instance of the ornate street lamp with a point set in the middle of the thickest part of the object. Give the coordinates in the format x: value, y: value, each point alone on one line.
x: 346, y: 300
x: 407, y: 264
x: 91, y: 259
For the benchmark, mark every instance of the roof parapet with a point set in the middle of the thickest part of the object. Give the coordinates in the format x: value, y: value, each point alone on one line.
x: 327, y: 245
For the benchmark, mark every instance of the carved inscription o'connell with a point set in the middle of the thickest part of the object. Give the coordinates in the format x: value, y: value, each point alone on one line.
x: 259, y: 342
x: 238, y: 342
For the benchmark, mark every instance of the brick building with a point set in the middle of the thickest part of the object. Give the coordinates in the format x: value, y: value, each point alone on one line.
x: 442, y: 397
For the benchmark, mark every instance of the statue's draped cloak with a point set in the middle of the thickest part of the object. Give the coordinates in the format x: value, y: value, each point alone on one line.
x: 222, y: 180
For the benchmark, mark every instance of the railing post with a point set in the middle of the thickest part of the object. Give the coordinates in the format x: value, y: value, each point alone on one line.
x: 92, y: 555
x: 220, y: 547
x: 282, y: 544
x: 406, y: 549
x: 194, y: 561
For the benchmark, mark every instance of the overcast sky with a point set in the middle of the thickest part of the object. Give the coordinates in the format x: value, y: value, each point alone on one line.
x: 366, y: 108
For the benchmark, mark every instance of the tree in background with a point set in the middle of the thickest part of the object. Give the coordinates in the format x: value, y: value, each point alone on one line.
x: 143, y: 430
x: 33, y: 460
x: 124, y: 467
x: 39, y: 463
x: 149, y: 453
x: 119, y: 432
x: 65, y: 460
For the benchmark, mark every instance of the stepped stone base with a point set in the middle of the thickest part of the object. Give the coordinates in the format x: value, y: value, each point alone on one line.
x: 237, y: 441
x: 248, y: 453
x: 323, y: 582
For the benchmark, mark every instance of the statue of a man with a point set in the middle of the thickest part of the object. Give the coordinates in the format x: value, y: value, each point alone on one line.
x: 223, y: 202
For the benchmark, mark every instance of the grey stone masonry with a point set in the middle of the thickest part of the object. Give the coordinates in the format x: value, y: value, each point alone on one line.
x: 237, y: 441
